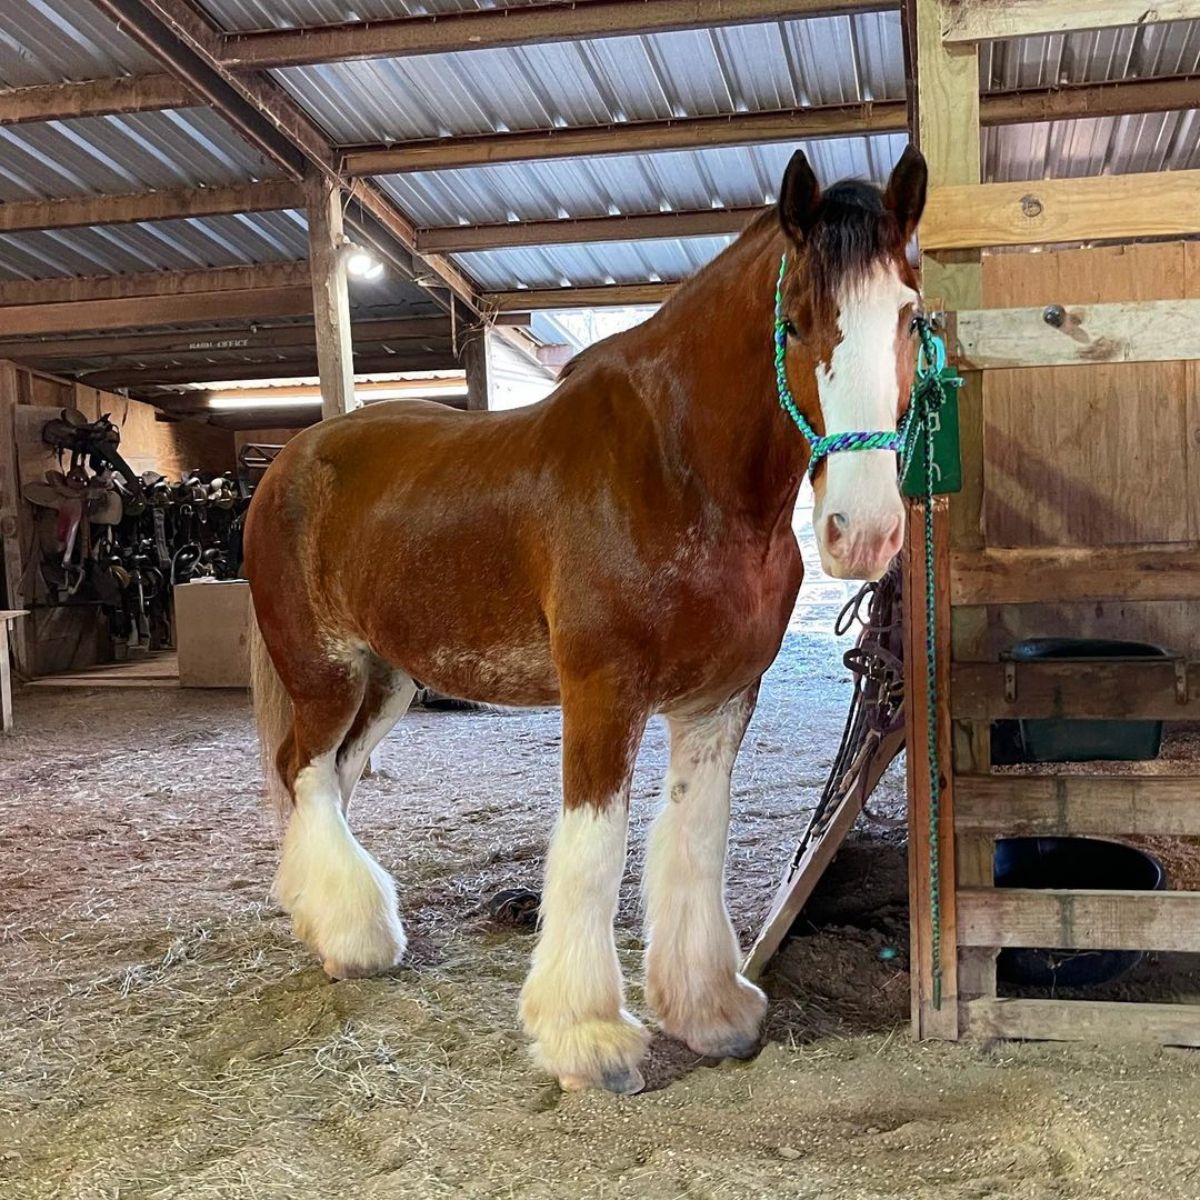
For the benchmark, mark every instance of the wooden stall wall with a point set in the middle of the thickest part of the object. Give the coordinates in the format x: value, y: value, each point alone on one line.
x: 68, y: 638
x: 1124, y: 470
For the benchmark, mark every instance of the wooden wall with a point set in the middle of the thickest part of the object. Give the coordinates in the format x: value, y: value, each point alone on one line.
x: 1089, y: 456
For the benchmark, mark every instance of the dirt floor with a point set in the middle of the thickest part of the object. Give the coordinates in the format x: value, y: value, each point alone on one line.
x: 164, y: 1036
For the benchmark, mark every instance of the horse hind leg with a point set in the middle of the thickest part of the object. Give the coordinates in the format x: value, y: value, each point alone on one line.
x: 387, y: 697
x: 341, y: 901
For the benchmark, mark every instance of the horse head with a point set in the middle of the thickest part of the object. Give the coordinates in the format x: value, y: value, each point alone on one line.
x: 848, y: 295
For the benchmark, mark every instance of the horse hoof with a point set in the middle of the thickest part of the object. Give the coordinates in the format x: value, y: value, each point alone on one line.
x: 347, y: 970
x: 735, y: 1047
x: 627, y: 1082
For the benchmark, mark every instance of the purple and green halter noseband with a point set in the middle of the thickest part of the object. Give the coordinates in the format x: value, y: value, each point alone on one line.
x: 894, y: 440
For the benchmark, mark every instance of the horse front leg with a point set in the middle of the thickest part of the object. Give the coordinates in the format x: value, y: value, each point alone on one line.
x: 692, y: 979
x: 572, y: 1004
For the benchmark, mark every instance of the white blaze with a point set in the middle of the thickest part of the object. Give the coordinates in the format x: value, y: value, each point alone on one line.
x: 859, y: 392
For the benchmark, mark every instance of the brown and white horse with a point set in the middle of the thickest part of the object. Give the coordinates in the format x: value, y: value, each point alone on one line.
x: 622, y: 549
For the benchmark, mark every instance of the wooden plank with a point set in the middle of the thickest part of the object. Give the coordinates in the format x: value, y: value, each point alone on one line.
x: 1073, y: 574
x: 1135, y: 331
x: 251, y: 337
x: 1079, y: 920
x: 1088, y: 100
x: 1101, y: 1021
x: 1050, y: 805
x: 635, y: 137
x: 947, y: 125
x: 797, y: 884
x: 1080, y: 688
x: 510, y: 26
x: 14, y: 521
x: 92, y: 98
x: 331, y: 297
x: 709, y: 222
x: 1156, y: 204
x: 170, y: 204
x: 146, y: 311
x: 533, y: 299
x: 988, y: 20
x: 152, y: 283
x: 1101, y: 471
x: 477, y: 360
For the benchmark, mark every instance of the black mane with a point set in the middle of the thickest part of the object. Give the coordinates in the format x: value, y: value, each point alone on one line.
x: 852, y: 233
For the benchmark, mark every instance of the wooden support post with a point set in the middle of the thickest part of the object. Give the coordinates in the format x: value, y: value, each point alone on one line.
x: 948, y: 133
x: 331, y: 297
x: 11, y: 545
x: 477, y: 360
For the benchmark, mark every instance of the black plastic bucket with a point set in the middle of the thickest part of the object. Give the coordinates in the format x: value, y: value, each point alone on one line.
x: 1053, y: 740
x: 1071, y: 863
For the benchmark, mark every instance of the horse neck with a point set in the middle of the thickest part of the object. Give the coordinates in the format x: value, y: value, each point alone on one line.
x: 718, y: 396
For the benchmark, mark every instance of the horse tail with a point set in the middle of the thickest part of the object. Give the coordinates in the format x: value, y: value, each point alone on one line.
x: 273, y: 715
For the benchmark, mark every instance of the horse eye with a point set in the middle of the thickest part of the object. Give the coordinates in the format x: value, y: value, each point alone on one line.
x: 790, y: 329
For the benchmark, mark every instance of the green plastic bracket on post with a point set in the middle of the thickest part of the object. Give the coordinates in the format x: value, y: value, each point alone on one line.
x: 947, y: 463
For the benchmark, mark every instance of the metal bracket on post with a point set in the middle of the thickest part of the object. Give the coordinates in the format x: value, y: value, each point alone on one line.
x: 1010, y: 682
x: 1181, y: 681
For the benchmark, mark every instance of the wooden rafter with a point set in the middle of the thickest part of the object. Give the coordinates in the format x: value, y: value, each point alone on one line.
x: 135, y: 312
x: 141, y: 378
x: 215, y: 341
x: 987, y: 20
x: 92, y: 98
x: 75, y: 211
x: 153, y: 283
x: 514, y: 26
x: 534, y: 299
x: 709, y: 222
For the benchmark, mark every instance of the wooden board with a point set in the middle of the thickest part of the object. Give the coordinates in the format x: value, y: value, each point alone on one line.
x: 1084, y: 688
x: 1133, y: 331
x: 1049, y: 805
x: 973, y: 216
x: 1097, y: 1021
x: 986, y: 20
x: 1095, y: 455
x: 1079, y: 920
x: 1025, y: 576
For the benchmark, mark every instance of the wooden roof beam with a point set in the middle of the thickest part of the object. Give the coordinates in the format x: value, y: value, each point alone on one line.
x: 92, y: 98
x: 987, y: 20
x: 709, y: 222
x: 171, y: 204
x: 490, y: 28
x: 609, y: 295
x: 155, y: 283
x: 136, y: 378
x: 217, y: 341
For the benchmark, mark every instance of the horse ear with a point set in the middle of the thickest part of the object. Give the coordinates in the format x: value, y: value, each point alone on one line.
x: 799, y: 197
x: 905, y: 194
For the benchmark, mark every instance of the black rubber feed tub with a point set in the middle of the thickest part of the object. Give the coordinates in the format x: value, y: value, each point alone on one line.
x: 1077, y: 741
x: 1067, y: 862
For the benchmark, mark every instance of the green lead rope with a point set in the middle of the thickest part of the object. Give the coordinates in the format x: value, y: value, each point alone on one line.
x: 925, y: 400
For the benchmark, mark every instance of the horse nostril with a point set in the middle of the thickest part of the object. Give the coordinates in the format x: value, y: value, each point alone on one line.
x: 836, y: 529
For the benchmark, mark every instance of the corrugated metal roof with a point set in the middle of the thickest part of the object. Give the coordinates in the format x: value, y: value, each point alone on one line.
x: 1093, y: 146
x: 741, y: 68
x: 244, y: 15
x: 58, y: 41
x: 597, y: 263
x: 155, y: 246
x: 727, y: 176
x: 1096, y: 56
x: 133, y: 153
